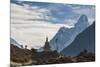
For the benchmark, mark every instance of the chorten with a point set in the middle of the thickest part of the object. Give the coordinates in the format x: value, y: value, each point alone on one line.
x: 47, y: 46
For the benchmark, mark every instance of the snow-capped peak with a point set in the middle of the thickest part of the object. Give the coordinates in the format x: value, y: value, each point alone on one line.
x: 65, y: 36
x: 82, y: 22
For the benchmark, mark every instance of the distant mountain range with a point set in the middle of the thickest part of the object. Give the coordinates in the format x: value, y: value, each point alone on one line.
x: 14, y: 42
x: 65, y: 36
x: 84, y: 41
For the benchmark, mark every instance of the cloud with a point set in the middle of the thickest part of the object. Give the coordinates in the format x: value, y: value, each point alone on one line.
x: 70, y: 22
x: 20, y: 12
x: 27, y: 27
x: 89, y: 11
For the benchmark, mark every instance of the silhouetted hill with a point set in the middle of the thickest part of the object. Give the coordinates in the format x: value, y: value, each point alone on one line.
x: 85, y: 56
x: 19, y: 55
x: 85, y: 40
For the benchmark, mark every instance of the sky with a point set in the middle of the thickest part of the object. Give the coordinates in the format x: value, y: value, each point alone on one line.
x: 31, y: 22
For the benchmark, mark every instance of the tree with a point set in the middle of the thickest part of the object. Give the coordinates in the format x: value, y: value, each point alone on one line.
x: 21, y: 46
x: 33, y: 50
x: 85, y: 51
x: 25, y: 46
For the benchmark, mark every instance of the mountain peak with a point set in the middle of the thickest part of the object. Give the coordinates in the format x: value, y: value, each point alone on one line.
x: 83, y: 17
x: 82, y: 21
x: 65, y: 36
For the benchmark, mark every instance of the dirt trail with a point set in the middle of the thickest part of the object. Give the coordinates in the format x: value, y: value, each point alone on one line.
x: 20, y: 64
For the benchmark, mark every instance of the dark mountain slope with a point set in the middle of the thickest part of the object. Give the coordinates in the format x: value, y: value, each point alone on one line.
x: 85, y: 40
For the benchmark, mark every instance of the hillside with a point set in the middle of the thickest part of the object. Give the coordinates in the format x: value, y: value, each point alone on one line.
x: 19, y: 55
